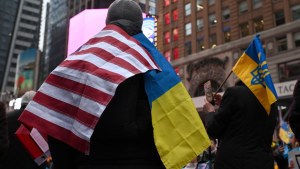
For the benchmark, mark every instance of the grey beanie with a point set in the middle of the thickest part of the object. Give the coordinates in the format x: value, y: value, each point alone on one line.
x: 125, y: 10
x: 27, y: 97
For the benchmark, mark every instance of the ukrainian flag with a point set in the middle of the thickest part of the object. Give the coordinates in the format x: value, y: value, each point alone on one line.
x: 179, y: 133
x: 284, y: 132
x: 253, y: 70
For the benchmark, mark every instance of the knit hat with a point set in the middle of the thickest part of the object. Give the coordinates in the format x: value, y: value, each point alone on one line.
x: 125, y: 10
x: 27, y: 97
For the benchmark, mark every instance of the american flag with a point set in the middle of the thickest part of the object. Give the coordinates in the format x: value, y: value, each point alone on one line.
x: 70, y: 102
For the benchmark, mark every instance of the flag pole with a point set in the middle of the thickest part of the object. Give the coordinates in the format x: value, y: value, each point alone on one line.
x: 222, y: 84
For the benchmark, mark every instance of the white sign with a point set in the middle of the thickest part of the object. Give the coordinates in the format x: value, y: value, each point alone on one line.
x: 282, y: 89
x: 285, y: 88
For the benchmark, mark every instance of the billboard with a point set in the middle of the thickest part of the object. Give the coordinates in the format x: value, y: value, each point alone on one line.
x: 25, y: 73
x: 85, y: 25
x: 148, y: 28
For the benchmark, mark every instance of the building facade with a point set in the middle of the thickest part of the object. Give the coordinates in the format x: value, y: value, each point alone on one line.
x: 25, y: 35
x: 8, y: 13
x: 204, y: 39
x: 55, y: 34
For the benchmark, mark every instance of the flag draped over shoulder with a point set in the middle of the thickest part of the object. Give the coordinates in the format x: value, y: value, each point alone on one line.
x: 253, y: 70
x: 70, y: 102
x: 179, y: 133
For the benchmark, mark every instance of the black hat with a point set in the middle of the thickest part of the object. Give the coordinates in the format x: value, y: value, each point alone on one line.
x: 125, y: 10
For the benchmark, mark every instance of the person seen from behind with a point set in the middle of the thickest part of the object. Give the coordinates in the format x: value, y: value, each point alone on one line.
x: 3, y: 130
x: 294, y: 111
x: 243, y: 128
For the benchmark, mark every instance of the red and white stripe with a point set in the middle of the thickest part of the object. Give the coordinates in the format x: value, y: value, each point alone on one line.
x: 70, y: 102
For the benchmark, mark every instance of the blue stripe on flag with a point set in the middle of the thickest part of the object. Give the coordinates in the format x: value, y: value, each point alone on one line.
x: 162, y: 81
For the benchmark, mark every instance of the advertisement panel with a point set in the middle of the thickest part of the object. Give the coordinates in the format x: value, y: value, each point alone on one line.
x: 85, y: 25
x: 25, y: 73
x: 148, y: 28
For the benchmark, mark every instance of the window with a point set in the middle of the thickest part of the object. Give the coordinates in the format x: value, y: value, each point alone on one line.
x: 258, y: 25
x: 226, y: 14
x: 199, y: 5
x: 175, y: 53
x: 244, y: 29
x: 256, y: 4
x: 167, y: 19
x: 188, y: 48
x: 200, y: 24
x: 175, y: 15
x: 175, y: 34
x: 212, y: 40
x: 200, y: 44
x: 188, y: 29
x: 297, y: 39
x: 281, y: 43
x: 152, y: 10
x: 226, y: 33
x: 279, y: 18
x: 296, y: 12
x: 167, y: 2
x: 289, y: 70
x: 212, y: 19
x: 187, y: 9
x: 168, y: 55
x: 243, y: 7
x: 167, y: 37
x: 210, y: 2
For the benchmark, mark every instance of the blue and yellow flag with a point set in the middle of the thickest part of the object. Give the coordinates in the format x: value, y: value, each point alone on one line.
x: 179, y: 133
x: 284, y: 132
x: 253, y: 70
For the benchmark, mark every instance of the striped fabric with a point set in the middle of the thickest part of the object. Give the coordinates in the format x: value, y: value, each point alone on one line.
x: 70, y: 102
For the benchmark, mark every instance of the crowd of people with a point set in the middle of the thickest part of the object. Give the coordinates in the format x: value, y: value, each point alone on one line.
x: 241, y: 132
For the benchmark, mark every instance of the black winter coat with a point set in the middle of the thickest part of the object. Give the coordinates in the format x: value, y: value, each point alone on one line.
x: 123, y: 137
x: 244, y: 130
x: 295, y: 111
x: 3, y: 130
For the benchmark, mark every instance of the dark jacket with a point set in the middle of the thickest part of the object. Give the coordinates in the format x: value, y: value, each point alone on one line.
x: 123, y: 137
x: 244, y: 130
x: 3, y: 130
x: 295, y: 111
x: 16, y: 157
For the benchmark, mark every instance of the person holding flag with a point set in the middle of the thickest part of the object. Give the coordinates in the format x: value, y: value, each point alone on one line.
x: 246, y: 118
x: 117, y: 103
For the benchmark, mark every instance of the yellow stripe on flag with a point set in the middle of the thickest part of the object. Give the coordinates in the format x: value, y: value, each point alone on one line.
x: 184, y: 136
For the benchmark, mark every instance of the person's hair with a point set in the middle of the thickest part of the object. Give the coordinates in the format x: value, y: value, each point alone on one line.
x: 239, y: 83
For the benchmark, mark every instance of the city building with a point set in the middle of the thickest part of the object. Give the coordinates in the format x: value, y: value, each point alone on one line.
x: 8, y: 13
x: 203, y: 39
x: 25, y: 34
x: 56, y: 27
